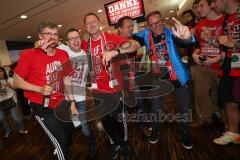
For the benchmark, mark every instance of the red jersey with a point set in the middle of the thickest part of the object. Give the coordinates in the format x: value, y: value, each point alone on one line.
x: 233, y: 30
x: 207, y: 30
x: 37, y: 68
x: 107, y: 78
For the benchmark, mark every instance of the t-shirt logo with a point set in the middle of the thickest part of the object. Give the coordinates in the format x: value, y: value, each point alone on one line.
x: 52, y: 72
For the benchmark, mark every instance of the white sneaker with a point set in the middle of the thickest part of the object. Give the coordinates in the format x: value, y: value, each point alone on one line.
x: 226, y: 138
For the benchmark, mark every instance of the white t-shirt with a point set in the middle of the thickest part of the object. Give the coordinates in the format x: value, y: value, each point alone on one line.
x: 80, y: 66
x: 6, y: 92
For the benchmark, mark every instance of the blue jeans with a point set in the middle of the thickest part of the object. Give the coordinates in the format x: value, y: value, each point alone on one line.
x: 14, y: 112
x: 86, y: 130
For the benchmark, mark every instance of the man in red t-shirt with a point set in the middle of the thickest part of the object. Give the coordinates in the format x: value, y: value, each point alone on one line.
x: 207, y: 55
x: 229, y: 86
x: 42, y: 73
x: 107, y: 82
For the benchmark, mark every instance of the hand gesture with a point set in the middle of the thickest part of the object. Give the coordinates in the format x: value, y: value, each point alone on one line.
x: 46, y: 90
x: 196, y: 58
x: 180, y: 31
x: 107, y: 56
x: 73, y: 109
x: 44, y: 44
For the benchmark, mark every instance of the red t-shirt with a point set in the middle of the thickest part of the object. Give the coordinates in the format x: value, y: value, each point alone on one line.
x: 209, y: 30
x: 107, y: 79
x: 37, y: 68
x: 233, y: 30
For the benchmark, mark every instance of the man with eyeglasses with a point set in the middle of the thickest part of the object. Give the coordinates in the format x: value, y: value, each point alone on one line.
x: 44, y: 73
x: 79, y: 62
x: 229, y: 85
x: 160, y: 43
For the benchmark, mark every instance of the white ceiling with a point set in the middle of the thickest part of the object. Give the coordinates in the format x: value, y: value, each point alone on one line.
x: 69, y: 13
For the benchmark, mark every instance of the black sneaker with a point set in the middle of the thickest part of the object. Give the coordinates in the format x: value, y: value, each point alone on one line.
x: 114, y: 150
x: 153, y: 138
x: 186, y: 141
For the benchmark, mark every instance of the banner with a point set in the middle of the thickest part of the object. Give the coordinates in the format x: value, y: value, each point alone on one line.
x: 118, y: 9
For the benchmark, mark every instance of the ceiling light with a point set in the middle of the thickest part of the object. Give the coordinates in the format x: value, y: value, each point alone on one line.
x: 171, y: 11
x: 167, y: 18
x: 28, y: 37
x: 59, y: 26
x: 23, y: 16
x: 80, y: 30
x: 99, y: 11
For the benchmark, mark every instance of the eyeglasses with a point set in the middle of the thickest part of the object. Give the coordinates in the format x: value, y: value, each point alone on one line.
x: 49, y: 34
x: 156, y: 24
x: 77, y: 38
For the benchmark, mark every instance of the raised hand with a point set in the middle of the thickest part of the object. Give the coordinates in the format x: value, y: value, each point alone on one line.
x: 180, y: 30
x: 107, y: 56
x: 44, y: 44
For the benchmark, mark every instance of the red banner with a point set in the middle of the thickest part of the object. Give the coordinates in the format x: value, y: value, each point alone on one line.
x: 118, y: 9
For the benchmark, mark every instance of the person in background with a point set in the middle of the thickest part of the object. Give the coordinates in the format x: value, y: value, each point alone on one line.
x: 195, y: 10
x: 229, y: 86
x: 21, y: 99
x: 79, y: 62
x: 7, y: 92
x: 207, y: 56
x: 125, y: 29
x: 44, y: 75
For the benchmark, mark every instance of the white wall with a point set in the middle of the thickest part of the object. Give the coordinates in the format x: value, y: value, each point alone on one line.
x: 4, y: 55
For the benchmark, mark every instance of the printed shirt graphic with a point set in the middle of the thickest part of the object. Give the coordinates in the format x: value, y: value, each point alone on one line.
x: 80, y: 66
x: 160, y: 57
x: 40, y: 69
x: 233, y: 30
x: 209, y: 30
x: 105, y: 75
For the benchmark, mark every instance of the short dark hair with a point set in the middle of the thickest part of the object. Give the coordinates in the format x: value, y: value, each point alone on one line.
x: 188, y: 11
x: 71, y: 30
x: 121, y: 20
x: 90, y: 14
x: 209, y: 2
x: 48, y: 24
x: 195, y: 2
x: 153, y: 13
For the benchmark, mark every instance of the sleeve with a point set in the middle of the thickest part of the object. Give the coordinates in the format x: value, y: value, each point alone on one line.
x: 119, y: 40
x: 67, y: 66
x: 22, y: 69
x: 84, y: 45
